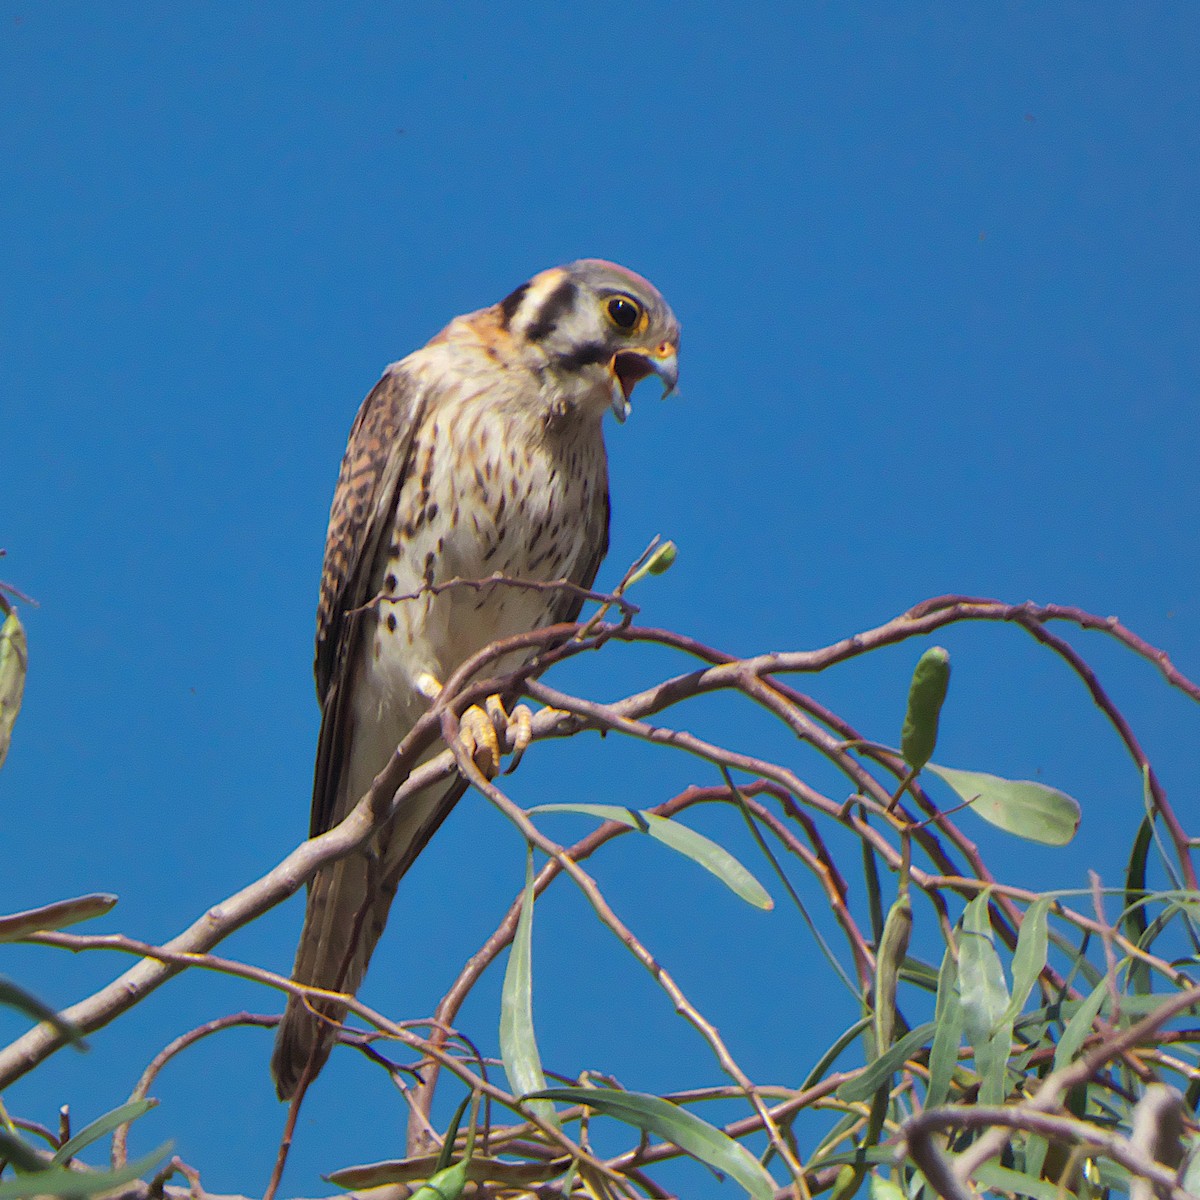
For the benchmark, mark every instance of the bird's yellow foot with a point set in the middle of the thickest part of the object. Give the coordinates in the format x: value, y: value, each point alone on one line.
x: 483, y: 732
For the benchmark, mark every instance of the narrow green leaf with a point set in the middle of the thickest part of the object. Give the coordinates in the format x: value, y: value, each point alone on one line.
x: 73, y: 1185
x: 55, y: 916
x: 1036, y: 1149
x: 993, y: 1175
x: 447, y: 1151
x: 1134, y: 1008
x: 863, y: 1086
x: 1077, y: 956
x: 847, y: 1038
x: 1134, y: 918
x: 926, y: 695
x: 1166, y: 858
x: 14, y: 659
x: 985, y: 999
x: 712, y: 857
x: 15, y: 996
x: 1080, y: 1025
x: 992, y: 1064
x: 100, y: 1127
x: 679, y: 837
x: 948, y: 1018
x: 980, y: 974
x: 24, y: 1157
x: 920, y: 974
x: 677, y: 1126
x: 872, y: 1155
x: 874, y: 890
x: 1030, y: 810
x: 518, y: 1046
x: 771, y: 857
x: 1029, y: 958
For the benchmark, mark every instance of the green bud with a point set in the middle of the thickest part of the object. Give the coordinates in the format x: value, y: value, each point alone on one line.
x: 447, y: 1184
x: 926, y: 694
x: 889, y: 957
x: 661, y: 560
x: 658, y: 563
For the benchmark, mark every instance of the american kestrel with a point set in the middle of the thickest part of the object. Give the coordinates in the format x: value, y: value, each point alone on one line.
x: 480, y: 453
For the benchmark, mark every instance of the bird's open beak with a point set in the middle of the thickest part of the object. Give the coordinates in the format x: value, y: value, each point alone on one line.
x: 630, y: 367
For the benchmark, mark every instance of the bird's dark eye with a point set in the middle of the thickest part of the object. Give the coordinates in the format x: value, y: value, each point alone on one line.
x: 624, y: 312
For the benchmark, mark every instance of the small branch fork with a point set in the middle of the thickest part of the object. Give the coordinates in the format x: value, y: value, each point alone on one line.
x: 773, y: 796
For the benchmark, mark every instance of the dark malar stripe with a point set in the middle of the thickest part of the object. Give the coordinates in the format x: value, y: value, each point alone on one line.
x: 557, y: 303
x: 584, y: 356
x: 511, y: 302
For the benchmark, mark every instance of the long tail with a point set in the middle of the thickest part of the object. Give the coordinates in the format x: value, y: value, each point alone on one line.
x: 348, y: 905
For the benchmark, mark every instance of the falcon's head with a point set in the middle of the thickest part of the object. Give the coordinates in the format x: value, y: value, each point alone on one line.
x: 600, y: 328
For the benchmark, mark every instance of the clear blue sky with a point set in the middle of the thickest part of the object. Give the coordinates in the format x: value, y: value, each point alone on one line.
x: 938, y: 272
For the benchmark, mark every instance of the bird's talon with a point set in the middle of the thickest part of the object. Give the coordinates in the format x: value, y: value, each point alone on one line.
x: 495, y: 710
x: 521, y: 727
x: 477, y: 736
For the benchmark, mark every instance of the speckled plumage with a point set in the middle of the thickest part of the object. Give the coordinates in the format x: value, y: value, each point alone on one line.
x: 480, y: 452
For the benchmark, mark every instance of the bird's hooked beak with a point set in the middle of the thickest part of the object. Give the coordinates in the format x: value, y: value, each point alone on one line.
x: 630, y: 367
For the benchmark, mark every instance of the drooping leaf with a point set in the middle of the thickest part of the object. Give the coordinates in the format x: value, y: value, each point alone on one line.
x: 846, y: 1039
x: 1166, y: 858
x: 993, y: 1175
x: 100, y: 1127
x: 518, y: 1046
x: 679, y: 837
x: 980, y: 973
x: 447, y: 1152
x: 984, y: 996
x: 1036, y: 1149
x: 55, y: 916
x: 1133, y: 919
x: 1030, y: 810
x: 711, y: 856
x: 677, y: 1126
x: 793, y: 895
x: 948, y: 1018
x: 1029, y: 958
x: 74, y: 1185
x: 1080, y: 1025
x: 15, y: 996
x: 920, y: 974
x: 24, y: 1157
x: 871, y: 1155
x: 926, y: 695
x: 863, y: 1086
